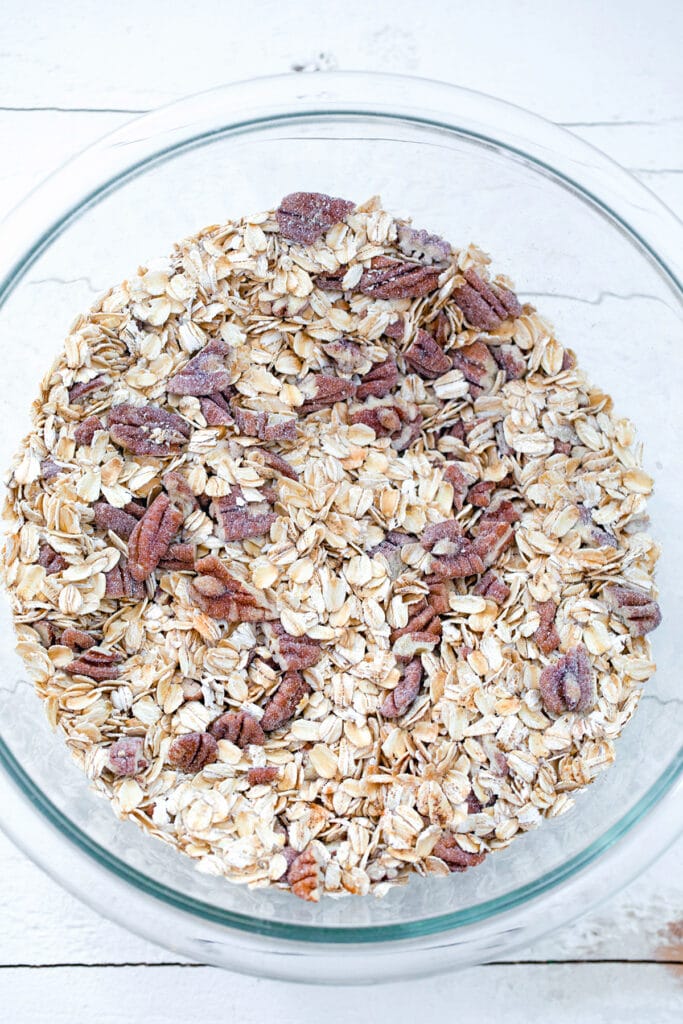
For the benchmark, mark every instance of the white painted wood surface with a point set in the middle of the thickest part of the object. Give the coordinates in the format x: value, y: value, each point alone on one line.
x: 69, y: 73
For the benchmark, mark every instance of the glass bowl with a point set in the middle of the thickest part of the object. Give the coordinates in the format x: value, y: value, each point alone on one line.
x: 592, y: 248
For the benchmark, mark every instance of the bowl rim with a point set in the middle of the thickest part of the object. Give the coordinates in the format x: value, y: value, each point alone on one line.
x: 247, y: 106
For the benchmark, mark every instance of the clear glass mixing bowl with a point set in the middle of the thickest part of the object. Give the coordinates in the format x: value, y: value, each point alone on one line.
x: 586, y: 243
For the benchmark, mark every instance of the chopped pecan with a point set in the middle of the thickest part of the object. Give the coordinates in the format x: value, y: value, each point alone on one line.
x: 50, y: 559
x: 151, y: 537
x: 271, y: 460
x: 398, y: 420
x: 491, y: 586
x: 95, y: 664
x: 390, y: 549
x: 107, y: 517
x: 510, y: 359
x: 546, y: 636
x: 562, y: 447
x: 452, y: 854
x: 85, y: 431
x: 568, y: 360
x: 120, y: 583
x: 474, y: 805
x: 423, y: 629
x: 379, y: 381
x: 85, y: 387
x: 404, y: 693
x: 493, y: 537
x: 389, y: 278
x: 395, y: 329
x: 262, y: 776
x: 179, y: 491
x: 348, y: 356
x: 293, y: 652
x: 46, y: 631
x: 306, y: 216
x: 636, y: 608
x: 328, y: 390
x: 477, y: 366
x: 239, y: 520
x: 284, y: 702
x: 427, y: 357
x: 503, y: 512
x: 460, y: 481
x: 216, y: 410
x: 303, y: 876
x: 78, y: 639
x: 178, y: 558
x: 331, y: 282
x: 192, y: 690
x: 454, y: 556
x: 240, y: 728
x: 592, y: 534
x: 205, y: 374
x: 222, y: 596
x: 147, y: 430
x: 125, y: 756
x: 193, y: 751
x: 264, y: 425
x: 484, y: 305
x: 49, y: 469
x: 480, y: 494
x: 136, y: 509
x: 422, y: 246
x: 568, y: 684
x: 442, y: 329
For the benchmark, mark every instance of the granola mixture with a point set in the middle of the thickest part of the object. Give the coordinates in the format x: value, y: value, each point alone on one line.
x: 326, y: 560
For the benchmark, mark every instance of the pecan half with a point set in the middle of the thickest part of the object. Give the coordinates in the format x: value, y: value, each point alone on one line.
x: 77, y: 639
x: 510, y: 359
x: 390, y: 550
x: 348, y: 356
x: 454, y: 556
x: 179, y: 491
x: 379, y: 381
x: 636, y: 608
x: 460, y: 481
x: 50, y: 559
x: 216, y: 410
x: 389, y: 278
x: 205, y: 373
x: 452, y: 854
x: 222, y: 596
x: 85, y: 387
x: 262, y: 776
x: 480, y: 494
x: 484, y: 305
x: 491, y: 586
x: 95, y: 664
x: 306, y: 216
x: 546, y: 636
x: 238, y: 519
x: 568, y: 684
x: 477, y: 366
x: 264, y: 425
x: 85, y: 431
x: 303, y: 876
x: 328, y: 390
x: 275, y: 462
x: 422, y: 246
x: 125, y: 756
x: 178, y: 558
x: 240, y: 728
x: 404, y: 693
x: 120, y: 584
x: 293, y: 652
x: 151, y: 537
x: 107, y: 517
x: 192, y: 752
x: 147, y: 430
x: 427, y: 357
x: 284, y: 702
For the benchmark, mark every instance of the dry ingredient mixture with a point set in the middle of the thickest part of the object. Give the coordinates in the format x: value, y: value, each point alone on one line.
x: 325, y: 558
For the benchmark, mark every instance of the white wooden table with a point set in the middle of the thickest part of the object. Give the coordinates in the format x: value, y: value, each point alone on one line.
x: 70, y: 72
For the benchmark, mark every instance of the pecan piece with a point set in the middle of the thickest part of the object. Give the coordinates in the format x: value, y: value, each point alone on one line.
x: 46, y: 631
x: 204, y: 374
x: 303, y: 876
x: 390, y: 550
x: 125, y: 756
x: 452, y: 854
x: 546, y: 636
x: 306, y: 216
x: 239, y: 520
x: 178, y: 558
x: 85, y: 387
x: 484, y: 305
x: 262, y: 776
x: 97, y: 665
x: 592, y: 534
x: 562, y: 447
x: 568, y: 684
x: 395, y: 330
x: 422, y: 246
x: 192, y: 752
x: 397, y: 420
x: 348, y: 356
x: 491, y: 586
x: 491, y: 541
x: 85, y: 431
x: 50, y: 559
x: 216, y: 410
x: 636, y: 608
x: 331, y: 282
x: 423, y: 629
x: 151, y: 537
x: 240, y: 728
x: 379, y: 381
x: 427, y: 357
x: 389, y: 278
x: 77, y: 639
x: 120, y: 583
x: 179, y: 491
x: 442, y: 329
x: 271, y: 460
x: 460, y: 481
x: 147, y: 430
x: 284, y: 702
x: 454, y: 556
x: 477, y: 366
x: 107, y: 517
x: 480, y: 494
x: 404, y: 693
x: 328, y: 390
x: 49, y: 469
x: 293, y: 652
x: 510, y: 359
x: 264, y: 425
x: 222, y: 596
